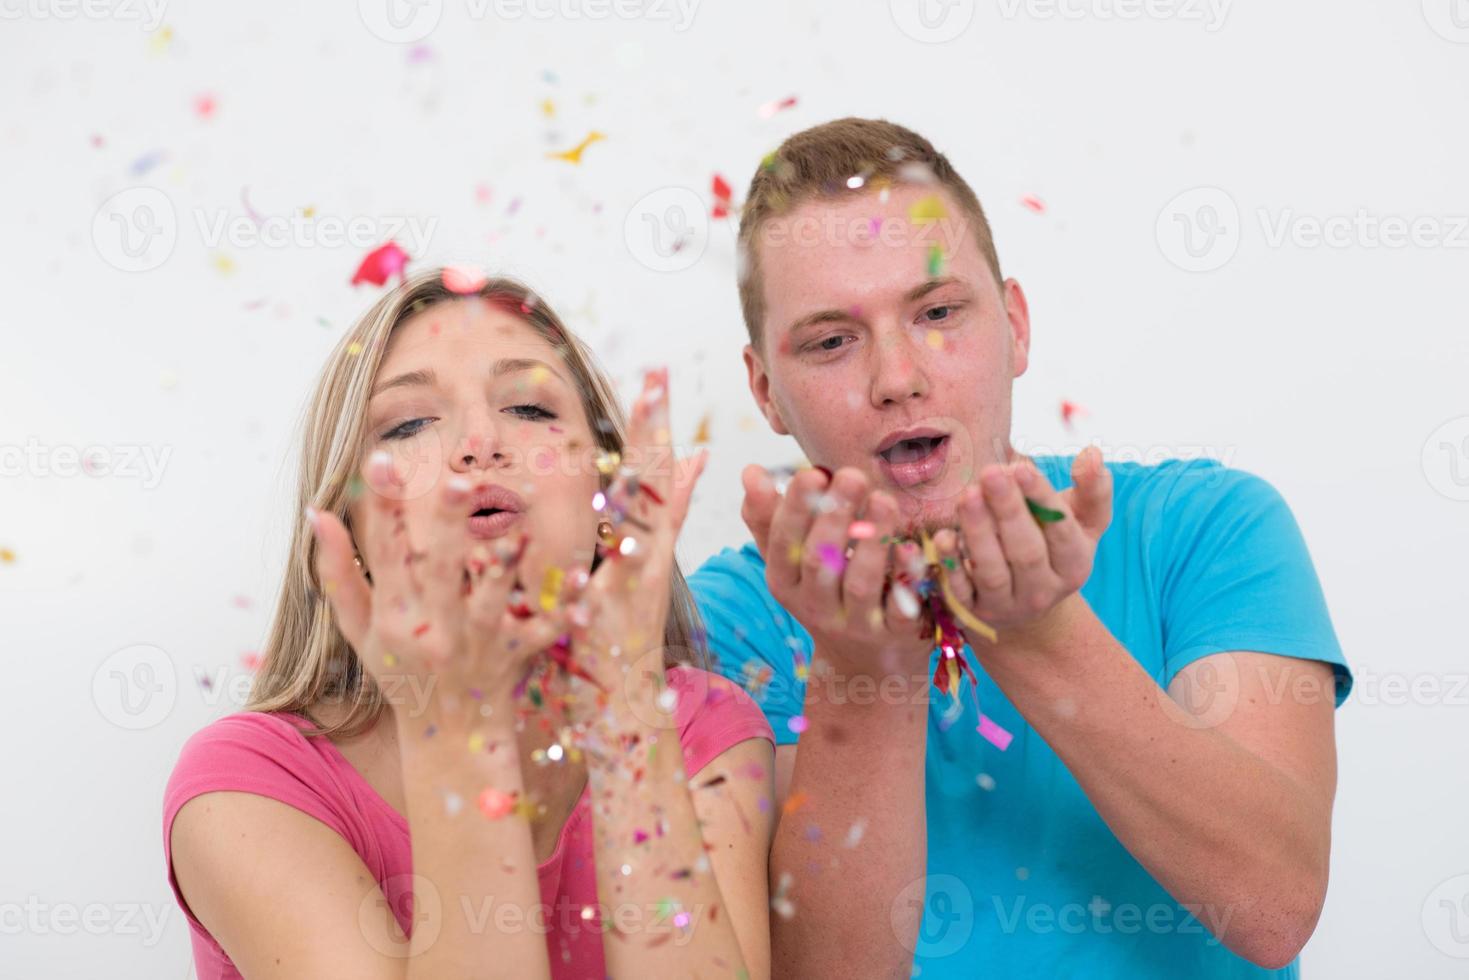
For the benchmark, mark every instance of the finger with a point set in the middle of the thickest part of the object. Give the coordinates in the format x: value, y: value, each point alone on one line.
x: 686, y: 477
x: 946, y: 547
x: 988, y: 569
x: 903, y: 608
x: 1067, y: 544
x: 1023, y: 542
x: 340, y: 579
x: 649, y: 437
x: 789, y: 527
x: 493, y: 574
x: 758, y: 510
x: 1091, y: 498
x: 823, y: 557
x: 447, y: 545
x: 862, y: 583
x: 384, y: 542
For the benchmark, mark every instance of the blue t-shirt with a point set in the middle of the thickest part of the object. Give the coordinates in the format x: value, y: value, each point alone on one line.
x: 1024, y: 877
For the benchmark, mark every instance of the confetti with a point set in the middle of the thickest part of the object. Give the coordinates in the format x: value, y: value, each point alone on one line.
x: 927, y: 210
x: 780, y: 902
x: 701, y: 434
x: 573, y: 155
x: 7, y: 556
x: 380, y: 264
x: 551, y: 588
x: 935, y: 261
x: 833, y: 558
x: 495, y: 804
x: 793, y: 803
x: 463, y: 280
x: 993, y: 733
x: 1044, y: 514
x: 250, y: 661
x: 861, y: 530
x: 797, y: 723
x: 722, y: 195
x: 778, y: 105
x: 204, y: 106
x: 1069, y: 411
x: 855, y: 833
x: 986, y: 781
x: 1033, y: 203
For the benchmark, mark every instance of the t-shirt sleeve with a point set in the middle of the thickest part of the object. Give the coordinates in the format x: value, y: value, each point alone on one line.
x: 713, y: 714
x: 754, y: 641
x: 1237, y: 575
x: 249, y: 752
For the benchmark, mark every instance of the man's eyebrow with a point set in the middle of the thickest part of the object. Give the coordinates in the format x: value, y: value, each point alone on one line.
x: 821, y: 316
x: 425, y: 377
x: 923, y: 289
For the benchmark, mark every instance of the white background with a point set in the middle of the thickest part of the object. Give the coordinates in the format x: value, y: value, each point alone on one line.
x: 1335, y: 371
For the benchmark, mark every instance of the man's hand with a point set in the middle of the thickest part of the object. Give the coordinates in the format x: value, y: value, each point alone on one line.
x: 1020, y: 568
x: 842, y: 600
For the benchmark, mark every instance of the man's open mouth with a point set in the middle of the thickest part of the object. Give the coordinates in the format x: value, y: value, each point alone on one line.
x: 912, y: 450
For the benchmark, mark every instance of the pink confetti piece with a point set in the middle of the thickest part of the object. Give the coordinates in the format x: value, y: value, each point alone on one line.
x: 1033, y: 203
x: 494, y: 803
x: 250, y: 661
x: 380, y: 264
x: 993, y: 733
x: 463, y: 280
x: 832, y: 557
x: 797, y: 724
x: 723, y: 194
x: 778, y: 105
x: 861, y: 530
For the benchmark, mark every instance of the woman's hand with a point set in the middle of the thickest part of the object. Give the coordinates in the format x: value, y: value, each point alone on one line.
x: 621, y: 618
x: 450, y: 618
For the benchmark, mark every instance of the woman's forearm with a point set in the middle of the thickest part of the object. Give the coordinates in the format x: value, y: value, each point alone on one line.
x: 471, y: 851
x: 654, y: 879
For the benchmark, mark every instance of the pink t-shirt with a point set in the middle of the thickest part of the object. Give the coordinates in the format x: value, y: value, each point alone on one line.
x: 255, y: 752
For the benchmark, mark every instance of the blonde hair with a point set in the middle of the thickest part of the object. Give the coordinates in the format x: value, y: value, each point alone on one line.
x: 818, y: 162
x: 306, y: 659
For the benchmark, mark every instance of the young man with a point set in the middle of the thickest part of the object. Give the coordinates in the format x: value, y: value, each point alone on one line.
x: 1164, y: 660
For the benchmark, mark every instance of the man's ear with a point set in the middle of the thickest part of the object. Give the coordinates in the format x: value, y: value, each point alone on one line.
x: 1018, y: 314
x: 760, y: 388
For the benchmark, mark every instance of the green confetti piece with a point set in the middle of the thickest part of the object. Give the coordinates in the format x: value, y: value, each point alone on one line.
x: 1043, y: 515
x: 935, y: 261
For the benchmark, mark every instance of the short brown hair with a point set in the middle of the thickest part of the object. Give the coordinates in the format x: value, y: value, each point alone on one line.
x: 818, y: 162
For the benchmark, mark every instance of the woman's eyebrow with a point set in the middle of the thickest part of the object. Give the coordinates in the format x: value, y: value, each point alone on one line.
x: 426, y: 376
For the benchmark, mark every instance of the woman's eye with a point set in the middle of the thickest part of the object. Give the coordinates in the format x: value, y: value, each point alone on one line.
x: 406, y: 429
x: 533, y: 412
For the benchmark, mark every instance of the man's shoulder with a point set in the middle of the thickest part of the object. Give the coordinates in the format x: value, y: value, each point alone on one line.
x: 730, y: 567
x: 1171, y: 483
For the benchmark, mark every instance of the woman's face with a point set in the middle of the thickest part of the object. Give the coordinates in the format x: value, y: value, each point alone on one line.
x: 468, y: 389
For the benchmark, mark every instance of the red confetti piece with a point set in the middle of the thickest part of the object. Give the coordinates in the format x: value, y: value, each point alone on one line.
x: 380, y: 264
x: 793, y: 803
x: 1033, y: 203
x: 250, y: 661
x: 420, y: 629
x: 722, y: 197
x: 494, y: 803
x: 1069, y: 410
x: 204, y: 106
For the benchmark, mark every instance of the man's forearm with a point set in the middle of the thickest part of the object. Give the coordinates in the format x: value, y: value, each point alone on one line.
x: 859, y: 781
x: 1226, y: 832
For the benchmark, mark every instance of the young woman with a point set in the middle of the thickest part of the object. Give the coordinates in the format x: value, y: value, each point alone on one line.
x: 479, y: 743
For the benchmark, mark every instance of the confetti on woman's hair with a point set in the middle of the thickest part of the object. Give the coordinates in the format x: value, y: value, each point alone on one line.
x: 463, y: 279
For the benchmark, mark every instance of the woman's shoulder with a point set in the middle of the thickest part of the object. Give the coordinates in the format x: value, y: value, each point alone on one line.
x: 712, y: 714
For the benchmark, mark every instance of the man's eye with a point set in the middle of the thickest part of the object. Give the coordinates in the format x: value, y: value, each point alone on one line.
x: 834, y: 342
x: 934, y: 313
x: 406, y: 429
x: 531, y: 411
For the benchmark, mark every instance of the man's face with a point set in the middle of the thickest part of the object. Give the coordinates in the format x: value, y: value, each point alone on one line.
x: 880, y: 355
